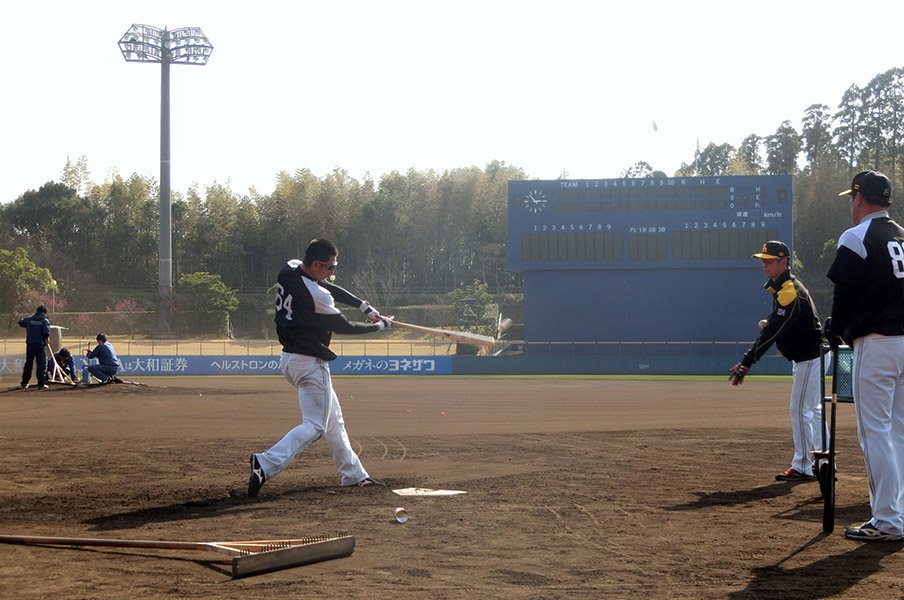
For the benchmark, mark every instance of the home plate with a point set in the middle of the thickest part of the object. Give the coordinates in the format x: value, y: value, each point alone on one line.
x: 427, y: 492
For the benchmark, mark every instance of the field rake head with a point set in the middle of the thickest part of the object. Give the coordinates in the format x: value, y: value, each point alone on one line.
x: 248, y: 557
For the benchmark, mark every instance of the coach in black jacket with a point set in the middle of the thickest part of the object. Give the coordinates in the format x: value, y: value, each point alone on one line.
x: 868, y: 313
x: 793, y: 326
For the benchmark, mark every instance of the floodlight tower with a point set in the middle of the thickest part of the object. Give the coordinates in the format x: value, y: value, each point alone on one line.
x: 186, y: 46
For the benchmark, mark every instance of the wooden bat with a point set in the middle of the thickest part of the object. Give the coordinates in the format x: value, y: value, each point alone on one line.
x: 464, y: 337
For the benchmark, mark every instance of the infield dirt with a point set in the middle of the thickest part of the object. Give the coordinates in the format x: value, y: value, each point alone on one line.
x: 576, y: 488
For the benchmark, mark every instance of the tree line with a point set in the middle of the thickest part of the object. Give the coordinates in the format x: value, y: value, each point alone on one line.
x: 415, y: 232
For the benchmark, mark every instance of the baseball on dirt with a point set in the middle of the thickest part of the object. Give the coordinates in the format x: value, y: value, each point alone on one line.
x: 401, y: 515
x: 761, y: 324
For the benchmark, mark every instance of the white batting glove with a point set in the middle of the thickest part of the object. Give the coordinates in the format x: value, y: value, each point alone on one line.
x: 383, y: 323
x: 371, y: 312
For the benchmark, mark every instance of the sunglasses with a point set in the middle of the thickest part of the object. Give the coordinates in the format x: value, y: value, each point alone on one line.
x: 331, y: 267
x: 769, y: 261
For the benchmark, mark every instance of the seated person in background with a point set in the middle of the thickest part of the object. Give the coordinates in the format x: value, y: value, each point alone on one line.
x: 108, y: 362
x: 64, y: 359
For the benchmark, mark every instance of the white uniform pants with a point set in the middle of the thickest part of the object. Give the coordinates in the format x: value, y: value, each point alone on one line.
x: 878, y: 381
x: 321, y: 416
x: 806, y: 413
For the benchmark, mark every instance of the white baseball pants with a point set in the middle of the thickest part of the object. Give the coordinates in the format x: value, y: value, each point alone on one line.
x: 321, y: 416
x: 878, y: 381
x: 806, y: 412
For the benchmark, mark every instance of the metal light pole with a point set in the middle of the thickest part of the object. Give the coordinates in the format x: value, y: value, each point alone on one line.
x: 187, y: 46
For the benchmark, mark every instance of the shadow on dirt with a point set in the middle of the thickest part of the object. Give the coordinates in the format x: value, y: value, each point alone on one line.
x: 825, y: 578
x: 735, y: 497
x: 235, y: 503
x: 185, y: 511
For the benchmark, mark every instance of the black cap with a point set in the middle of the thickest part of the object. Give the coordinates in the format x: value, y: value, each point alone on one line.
x: 870, y: 183
x: 773, y: 249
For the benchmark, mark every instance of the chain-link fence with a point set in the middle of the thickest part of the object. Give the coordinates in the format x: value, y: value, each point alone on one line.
x: 136, y: 347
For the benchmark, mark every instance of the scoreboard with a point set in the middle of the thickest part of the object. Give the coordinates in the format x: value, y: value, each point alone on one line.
x: 653, y: 259
x: 650, y: 223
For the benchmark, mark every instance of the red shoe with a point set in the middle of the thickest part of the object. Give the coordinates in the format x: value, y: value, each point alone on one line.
x: 792, y: 474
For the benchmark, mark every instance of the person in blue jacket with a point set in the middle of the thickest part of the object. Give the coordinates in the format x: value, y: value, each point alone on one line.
x: 108, y: 363
x: 37, y: 330
x: 64, y: 359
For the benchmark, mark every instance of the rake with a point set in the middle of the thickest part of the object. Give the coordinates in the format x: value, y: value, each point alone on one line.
x: 56, y: 375
x: 248, y: 557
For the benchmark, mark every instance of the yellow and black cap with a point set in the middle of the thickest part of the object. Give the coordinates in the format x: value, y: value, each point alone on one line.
x: 871, y: 184
x: 773, y: 249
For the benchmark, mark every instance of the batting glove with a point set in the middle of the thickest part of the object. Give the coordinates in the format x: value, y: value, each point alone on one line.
x: 383, y: 323
x: 371, y: 312
x: 736, y: 374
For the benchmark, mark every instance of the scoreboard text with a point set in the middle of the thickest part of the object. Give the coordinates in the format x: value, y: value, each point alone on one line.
x: 679, y: 222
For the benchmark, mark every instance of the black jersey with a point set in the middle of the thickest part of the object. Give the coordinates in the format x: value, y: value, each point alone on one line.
x: 793, y: 326
x: 868, y: 273
x: 306, y: 313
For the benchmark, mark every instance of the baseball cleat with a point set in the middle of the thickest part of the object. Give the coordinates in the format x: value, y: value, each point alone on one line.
x: 257, y: 478
x: 370, y: 482
x: 792, y: 474
x: 870, y: 533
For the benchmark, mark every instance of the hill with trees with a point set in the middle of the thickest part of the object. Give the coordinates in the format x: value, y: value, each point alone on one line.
x: 407, y: 237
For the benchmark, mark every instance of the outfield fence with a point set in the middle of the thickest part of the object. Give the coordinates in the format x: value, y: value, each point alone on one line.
x: 344, y: 347
x: 411, y: 357
x: 245, y: 347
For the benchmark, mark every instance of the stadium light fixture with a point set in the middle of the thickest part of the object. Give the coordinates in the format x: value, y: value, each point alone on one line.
x: 184, y: 46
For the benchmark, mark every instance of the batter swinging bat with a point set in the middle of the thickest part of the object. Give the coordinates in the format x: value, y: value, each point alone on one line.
x: 464, y: 337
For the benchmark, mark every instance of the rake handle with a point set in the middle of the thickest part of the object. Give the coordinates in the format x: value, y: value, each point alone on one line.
x: 75, y: 541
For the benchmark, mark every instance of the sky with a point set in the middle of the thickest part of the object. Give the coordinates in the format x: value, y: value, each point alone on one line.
x: 583, y: 89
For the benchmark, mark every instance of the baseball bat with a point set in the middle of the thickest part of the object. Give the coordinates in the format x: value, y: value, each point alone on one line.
x: 828, y: 492
x: 464, y: 337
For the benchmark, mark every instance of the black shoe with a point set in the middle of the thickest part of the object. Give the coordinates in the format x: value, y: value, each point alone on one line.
x: 257, y: 478
x: 792, y: 474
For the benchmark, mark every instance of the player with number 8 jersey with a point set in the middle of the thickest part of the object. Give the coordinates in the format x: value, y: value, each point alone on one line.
x: 868, y: 314
x: 868, y: 272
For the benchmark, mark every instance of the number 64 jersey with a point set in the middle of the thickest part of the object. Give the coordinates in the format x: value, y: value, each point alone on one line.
x: 306, y: 313
x: 868, y: 273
